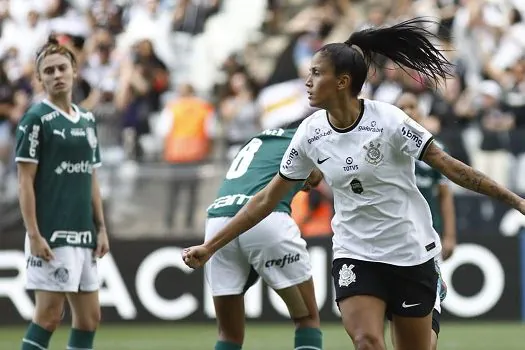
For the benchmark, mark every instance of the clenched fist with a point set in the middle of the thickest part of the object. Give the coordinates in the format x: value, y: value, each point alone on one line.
x: 196, y: 256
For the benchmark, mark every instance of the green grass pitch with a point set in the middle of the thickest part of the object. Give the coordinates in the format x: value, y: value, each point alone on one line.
x: 454, y: 336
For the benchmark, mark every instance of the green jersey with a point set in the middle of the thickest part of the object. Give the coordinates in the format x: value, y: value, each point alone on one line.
x: 66, y: 149
x: 251, y: 170
x: 428, y: 180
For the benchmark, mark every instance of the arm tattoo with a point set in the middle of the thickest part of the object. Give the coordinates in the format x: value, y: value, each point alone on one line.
x: 471, y: 180
x: 467, y: 177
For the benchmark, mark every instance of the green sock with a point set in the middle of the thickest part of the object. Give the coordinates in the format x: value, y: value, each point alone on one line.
x: 36, y: 338
x: 79, y: 339
x: 226, y: 345
x: 308, y: 339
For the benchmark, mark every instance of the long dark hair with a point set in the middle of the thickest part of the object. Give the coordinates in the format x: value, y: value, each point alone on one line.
x: 407, y: 44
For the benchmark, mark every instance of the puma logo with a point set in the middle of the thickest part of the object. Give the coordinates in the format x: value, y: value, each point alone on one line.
x: 60, y: 133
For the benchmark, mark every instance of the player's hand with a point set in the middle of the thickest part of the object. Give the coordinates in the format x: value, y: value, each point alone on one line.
x: 313, y: 180
x: 102, y: 243
x: 196, y: 256
x: 40, y: 248
x: 448, y: 244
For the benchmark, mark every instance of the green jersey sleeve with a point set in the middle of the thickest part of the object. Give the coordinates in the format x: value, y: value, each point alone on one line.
x: 29, y: 139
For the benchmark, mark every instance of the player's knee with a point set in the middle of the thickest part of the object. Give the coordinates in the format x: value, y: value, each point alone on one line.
x: 301, y: 305
x: 88, y: 321
x: 48, y: 318
x: 368, y: 341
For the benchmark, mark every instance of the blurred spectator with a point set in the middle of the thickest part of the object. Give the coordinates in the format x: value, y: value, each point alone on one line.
x: 475, y: 34
x: 496, y: 121
x: 239, y: 112
x: 34, y: 29
x: 319, y: 17
x: 313, y: 211
x: 101, y: 71
x: 273, y: 20
x: 13, y: 102
x: 510, y: 48
x: 515, y: 100
x: 143, y: 78
x: 185, y: 123
x: 189, y: 16
x: 106, y: 14
x: 391, y: 86
x: 7, y: 103
x: 377, y: 15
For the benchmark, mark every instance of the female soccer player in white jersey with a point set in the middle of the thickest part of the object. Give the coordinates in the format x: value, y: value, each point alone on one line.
x: 384, y: 244
x: 57, y: 152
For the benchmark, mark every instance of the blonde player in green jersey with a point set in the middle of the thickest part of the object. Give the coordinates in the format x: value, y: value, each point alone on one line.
x: 57, y: 153
x: 273, y: 249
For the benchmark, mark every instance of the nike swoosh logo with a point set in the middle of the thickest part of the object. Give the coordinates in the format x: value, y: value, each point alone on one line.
x: 319, y: 161
x: 405, y: 305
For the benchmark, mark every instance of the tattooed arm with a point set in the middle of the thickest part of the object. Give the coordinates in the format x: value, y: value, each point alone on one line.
x: 471, y: 179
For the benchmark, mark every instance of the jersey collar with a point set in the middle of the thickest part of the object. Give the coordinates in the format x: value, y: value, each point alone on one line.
x: 72, y: 118
x: 354, y: 124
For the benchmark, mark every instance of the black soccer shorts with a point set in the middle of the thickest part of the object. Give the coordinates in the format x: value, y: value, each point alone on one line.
x: 408, y: 291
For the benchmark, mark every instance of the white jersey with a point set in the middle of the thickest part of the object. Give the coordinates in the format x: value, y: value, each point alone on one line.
x: 380, y: 215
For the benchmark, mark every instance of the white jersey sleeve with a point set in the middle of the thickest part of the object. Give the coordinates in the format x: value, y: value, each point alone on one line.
x: 296, y: 165
x: 410, y: 137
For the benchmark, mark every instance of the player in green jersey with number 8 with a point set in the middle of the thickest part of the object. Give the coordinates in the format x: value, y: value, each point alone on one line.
x: 273, y: 249
x: 57, y: 152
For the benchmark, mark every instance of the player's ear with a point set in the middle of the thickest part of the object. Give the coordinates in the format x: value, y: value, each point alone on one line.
x: 343, y: 82
x: 75, y: 72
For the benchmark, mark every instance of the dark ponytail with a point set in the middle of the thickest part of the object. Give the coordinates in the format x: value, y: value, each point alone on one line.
x: 407, y: 44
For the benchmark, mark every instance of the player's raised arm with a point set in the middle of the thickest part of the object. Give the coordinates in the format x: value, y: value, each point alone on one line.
x: 295, y: 166
x: 257, y: 208
x: 469, y: 178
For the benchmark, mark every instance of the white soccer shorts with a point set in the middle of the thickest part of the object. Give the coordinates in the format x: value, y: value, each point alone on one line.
x: 273, y: 248
x: 74, y: 269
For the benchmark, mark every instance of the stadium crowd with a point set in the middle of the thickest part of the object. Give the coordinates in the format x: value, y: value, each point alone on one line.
x: 133, y: 76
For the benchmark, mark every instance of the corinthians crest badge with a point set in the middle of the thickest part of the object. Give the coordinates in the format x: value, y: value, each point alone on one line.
x: 346, y: 275
x: 373, y: 153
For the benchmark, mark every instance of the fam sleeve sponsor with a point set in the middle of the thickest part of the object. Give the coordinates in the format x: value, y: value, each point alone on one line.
x: 295, y: 165
x: 29, y: 139
x: 411, y: 138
